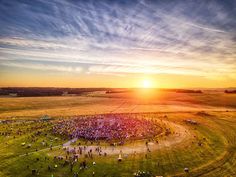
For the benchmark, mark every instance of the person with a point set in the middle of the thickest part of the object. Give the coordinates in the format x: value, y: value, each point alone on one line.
x: 104, y: 127
x: 186, y: 170
x: 76, y: 175
x: 119, y: 158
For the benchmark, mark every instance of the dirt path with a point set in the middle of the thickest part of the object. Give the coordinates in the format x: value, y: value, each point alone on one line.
x: 45, y: 149
x: 181, y: 134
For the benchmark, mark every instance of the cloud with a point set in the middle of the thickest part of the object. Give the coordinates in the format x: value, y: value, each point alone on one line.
x: 33, y: 44
x: 114, y: 69
x: 183, y: 37
x: 43, y: 67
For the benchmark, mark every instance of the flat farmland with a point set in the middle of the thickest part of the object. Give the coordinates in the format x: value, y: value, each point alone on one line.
x: 63, y: 106
x: 198, y: 139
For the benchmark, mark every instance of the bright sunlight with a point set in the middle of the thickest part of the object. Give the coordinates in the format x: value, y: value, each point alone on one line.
x: 146, y: 84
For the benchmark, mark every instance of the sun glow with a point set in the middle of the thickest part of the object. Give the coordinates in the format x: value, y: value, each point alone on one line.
x: 146, y: 84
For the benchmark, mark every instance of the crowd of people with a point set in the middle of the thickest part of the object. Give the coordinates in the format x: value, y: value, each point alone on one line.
x: 107, y: 127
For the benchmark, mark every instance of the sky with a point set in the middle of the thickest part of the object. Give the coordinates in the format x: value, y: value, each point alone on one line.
x: 122, y: 43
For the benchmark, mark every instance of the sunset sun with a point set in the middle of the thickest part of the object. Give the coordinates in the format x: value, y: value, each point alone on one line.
x: 146, y: 84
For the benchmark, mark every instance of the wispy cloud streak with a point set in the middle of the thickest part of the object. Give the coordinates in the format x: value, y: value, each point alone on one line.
x: 117, y: 37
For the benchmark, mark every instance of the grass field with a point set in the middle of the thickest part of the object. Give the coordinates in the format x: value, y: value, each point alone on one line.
x: 210, y: 149
x: 121, y: 102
